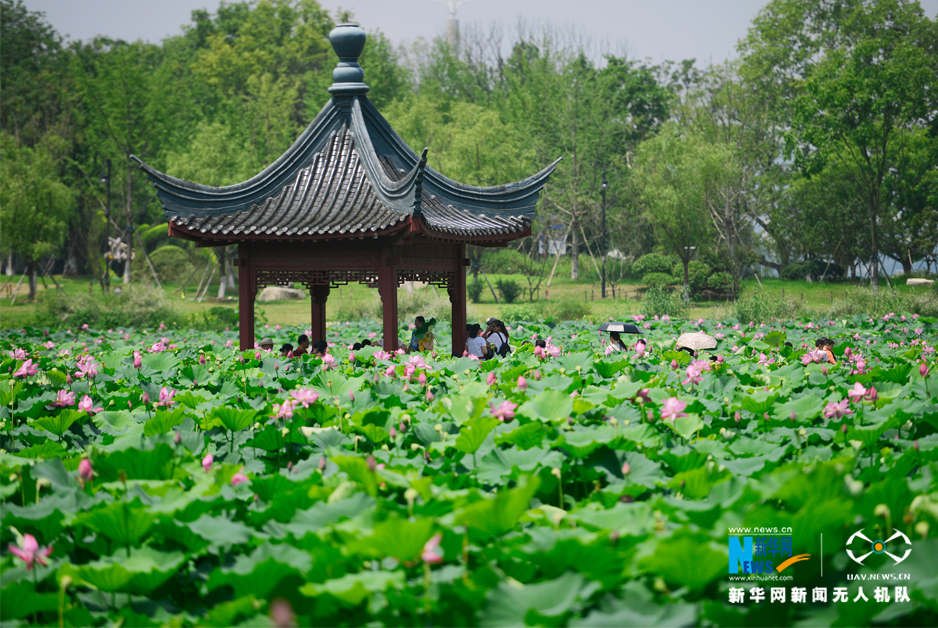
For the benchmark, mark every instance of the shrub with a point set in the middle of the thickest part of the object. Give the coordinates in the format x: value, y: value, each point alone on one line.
x: 565, y: 310
x: 138, y: 306
x: 367, y: 307
x: 720, y: 281
x: 659, y: 280
x: 427, y: 302
x: 794, y: 272
x: 474, y: 290
x: 171, y: 263
x: 863, y: 301
x: 509, y: 289
x: 697, y: 274
x: 659, y: 301
x: 652, y: 263
x: 763, y: 307
x: 213, y: 319
x: 503, y: 261
x: 812, y: 269
x: 526, y: 312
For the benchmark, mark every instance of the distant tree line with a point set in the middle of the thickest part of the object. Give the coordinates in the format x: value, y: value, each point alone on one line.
x: 818, y: 147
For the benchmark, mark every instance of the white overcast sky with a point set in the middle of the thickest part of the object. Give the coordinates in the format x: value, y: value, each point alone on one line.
x: 706, y: 30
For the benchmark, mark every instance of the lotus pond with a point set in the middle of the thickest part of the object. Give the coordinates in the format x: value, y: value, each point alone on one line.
x: 163, y: 478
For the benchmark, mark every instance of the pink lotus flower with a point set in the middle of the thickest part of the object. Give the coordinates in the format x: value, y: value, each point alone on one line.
x: 857, y: 393
x: 539, y: 353
x: 27, y: 369
x: 63, y: 399
x: 553, y: 351
x: 838, y: 409
x: 49, y: 344
x: 207, y: 462
x: 872, y: 395
x: 389, y: 371
x: 166, y: 397
x: 490, y: 379
x: 86, y: 367
x: 505, y: 412
x: 137, y: 360
x: 87, y: 405
x: 284, y: 410
x: 85, y: 470
x: 430, y: 555
x: 382, y: 355
x: 31, y: 552
x: 409, y: 371
x: 765, y: 361
x: 328, y: 361
x: 239, y: 478
x: 20, y: 354
x: 673, y: 409
x: 693, y: 375
x: 418, y: 362
x: 814, y: 356
x: 305, y: 396
x: 522, y: 383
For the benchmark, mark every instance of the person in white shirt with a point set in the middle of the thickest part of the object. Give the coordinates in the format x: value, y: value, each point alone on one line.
x: 475, y: 344
x: 496, y: 334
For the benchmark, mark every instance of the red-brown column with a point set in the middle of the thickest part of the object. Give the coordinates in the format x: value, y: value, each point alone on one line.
x: 245, y: 297
x: 319, y: 295
x: 458, y: 299
x: 387, y: 288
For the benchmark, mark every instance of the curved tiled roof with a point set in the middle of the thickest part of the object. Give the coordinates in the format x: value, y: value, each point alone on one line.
x: 348, y: 174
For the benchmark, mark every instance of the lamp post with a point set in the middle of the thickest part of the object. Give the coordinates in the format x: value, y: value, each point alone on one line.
x: 602, y: 189
x: 106, y: 283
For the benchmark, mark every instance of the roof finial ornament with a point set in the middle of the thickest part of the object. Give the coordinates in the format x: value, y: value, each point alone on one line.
x: 348, y: 41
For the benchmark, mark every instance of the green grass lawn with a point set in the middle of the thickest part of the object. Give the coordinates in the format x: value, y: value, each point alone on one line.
x: 627, y: 299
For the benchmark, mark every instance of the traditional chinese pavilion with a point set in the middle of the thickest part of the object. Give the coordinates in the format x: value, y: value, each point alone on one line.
x: 349, y: 201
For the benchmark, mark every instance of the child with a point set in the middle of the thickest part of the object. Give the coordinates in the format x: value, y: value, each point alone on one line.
x: 826, y: 345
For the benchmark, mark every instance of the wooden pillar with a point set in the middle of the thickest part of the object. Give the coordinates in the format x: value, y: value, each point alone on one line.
x: 387, y: 289
x: 318, y: 295
x: 457, y: 297
x: 245, y: 297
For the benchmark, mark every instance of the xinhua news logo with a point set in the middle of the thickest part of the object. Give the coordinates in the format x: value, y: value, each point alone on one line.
x: 866, y: 548
x: 761, y: 554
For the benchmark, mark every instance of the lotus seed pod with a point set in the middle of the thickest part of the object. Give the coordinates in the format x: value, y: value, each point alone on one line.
x: 555, y: 472
x: 881, y: 510
x: 921, y: 529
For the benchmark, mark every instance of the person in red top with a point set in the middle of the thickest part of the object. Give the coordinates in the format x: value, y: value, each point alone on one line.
x: 302, y: 346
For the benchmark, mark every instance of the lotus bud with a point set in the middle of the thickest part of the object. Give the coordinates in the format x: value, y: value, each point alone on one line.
x: 85, y: 472
x: 490, y: 379
x: 720, y: 359
x: 737, y: 417
x: 824, y: 370
x: 626, y: 468
x: 145, y: 398
x: 537, y: 375
x: 923, y: 370
x: 915, y: 445
x: 207, y: 462
x: 674, y: 364
x: 429, y: 395
x: 522, y: 383
x: 843, y: 428
x: 765, y: 416
x: 393, y: 432
x: 177, y: 438
x: 794, y: 416
x: 422, y: 379
x: 322, y: 463
x: 401, y: 427
x: 256, y: 498
x: 614, y: 537
x: 872, y: 394
x: 290, y: 466
x: 372, y: 464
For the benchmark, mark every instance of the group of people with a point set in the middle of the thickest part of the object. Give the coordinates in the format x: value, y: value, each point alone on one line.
x: 485, y: 345
x: 303, y: 347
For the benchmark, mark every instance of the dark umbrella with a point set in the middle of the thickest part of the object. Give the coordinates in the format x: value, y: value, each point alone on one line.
x: 622, y: 328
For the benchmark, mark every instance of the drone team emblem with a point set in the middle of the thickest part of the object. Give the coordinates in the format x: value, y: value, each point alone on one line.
x: 878, y: 547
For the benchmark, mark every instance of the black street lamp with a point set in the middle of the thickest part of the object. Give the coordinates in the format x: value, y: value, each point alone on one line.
x: 106, y: 283
x: 602, y: 189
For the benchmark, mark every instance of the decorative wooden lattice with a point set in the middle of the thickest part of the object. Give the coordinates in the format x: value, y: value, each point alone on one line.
x: 439, y: 278
x: 313, y: 278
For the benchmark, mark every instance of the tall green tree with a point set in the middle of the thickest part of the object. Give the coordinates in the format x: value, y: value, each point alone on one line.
x: 670, y: 178
x: 853, y: 78
x: 34, y: 202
